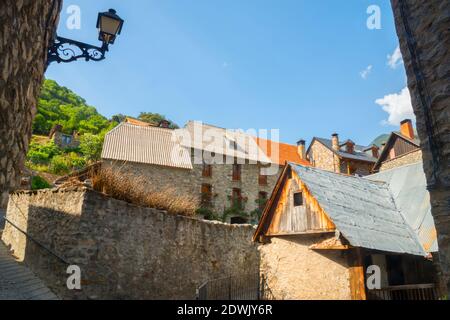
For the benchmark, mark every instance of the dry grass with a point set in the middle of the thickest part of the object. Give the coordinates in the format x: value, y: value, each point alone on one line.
x: 138, y: 190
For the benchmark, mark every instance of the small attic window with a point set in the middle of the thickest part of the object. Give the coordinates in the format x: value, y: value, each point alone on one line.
x: 298, y: 199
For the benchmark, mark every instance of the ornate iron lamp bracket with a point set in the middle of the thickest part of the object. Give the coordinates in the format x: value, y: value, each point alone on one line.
x: 67, y: 50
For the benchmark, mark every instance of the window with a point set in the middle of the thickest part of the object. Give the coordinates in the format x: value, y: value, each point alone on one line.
x: 233, y: 145
x: 207, y: 170
x: 206, y: 194
x: 262, y: 199
x: 289, y: 173
x: 236, y: 172
x: 298, y: 199
x: 262, y: 179
x: 238, y: 220
x: 236, y: 197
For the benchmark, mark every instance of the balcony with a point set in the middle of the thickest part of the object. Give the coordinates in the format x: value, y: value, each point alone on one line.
x: 405, y: 292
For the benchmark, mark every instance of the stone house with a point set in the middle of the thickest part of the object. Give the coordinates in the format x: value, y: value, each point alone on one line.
x: 324, y: 233
x: 400, y: 149
x: 347, y: 157
x: 220, y: 167
x: 62, y: 140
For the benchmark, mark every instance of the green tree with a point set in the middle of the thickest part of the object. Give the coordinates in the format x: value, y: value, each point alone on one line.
x: 59, y: 105
x: 91, y: 146
x: 155, y: 119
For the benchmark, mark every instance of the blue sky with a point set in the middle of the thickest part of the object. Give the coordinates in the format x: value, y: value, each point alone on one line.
x: 295, y: 65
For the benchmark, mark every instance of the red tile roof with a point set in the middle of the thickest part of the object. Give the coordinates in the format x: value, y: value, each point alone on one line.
x: 286, y: 152
x: 137, y: 122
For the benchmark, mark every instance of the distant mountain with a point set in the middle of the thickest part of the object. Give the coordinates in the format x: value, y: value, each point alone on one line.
x: 382, y: 138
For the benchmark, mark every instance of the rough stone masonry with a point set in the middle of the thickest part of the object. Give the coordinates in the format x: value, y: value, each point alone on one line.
x: 26, y: 29
x: 124, y: 251
x: 423, y: 28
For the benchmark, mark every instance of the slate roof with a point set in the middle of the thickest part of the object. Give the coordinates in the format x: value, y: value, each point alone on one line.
x: 408, y: 187
x: 150, y: 145
x: 364, y: 211
x: 361, y: 153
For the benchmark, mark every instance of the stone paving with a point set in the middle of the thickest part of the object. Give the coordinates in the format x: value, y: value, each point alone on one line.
x: 17, y: 282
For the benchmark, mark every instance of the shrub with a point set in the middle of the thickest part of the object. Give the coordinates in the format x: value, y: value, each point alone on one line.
x: 59, y: 165
x: 38, y: 183
x: 140, y: 191
x: 207, y: 213
x: 76, y: 161
x: 42, y: 153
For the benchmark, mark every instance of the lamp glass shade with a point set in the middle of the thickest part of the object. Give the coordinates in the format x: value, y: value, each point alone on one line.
x: 110, y: 25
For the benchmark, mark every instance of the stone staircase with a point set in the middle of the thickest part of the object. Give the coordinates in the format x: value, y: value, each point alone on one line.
x: 17, y: 282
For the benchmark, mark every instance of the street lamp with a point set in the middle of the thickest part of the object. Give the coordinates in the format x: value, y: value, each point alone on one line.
x: 66, y: 50
x: 109, y: 25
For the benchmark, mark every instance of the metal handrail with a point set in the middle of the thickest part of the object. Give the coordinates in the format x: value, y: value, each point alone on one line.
x: 2, y: 216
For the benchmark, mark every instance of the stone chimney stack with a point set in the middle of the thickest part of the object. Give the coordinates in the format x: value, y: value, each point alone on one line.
x: 406, y: 129
x: 335, y: 141
x: 301, y: 149
x: 375, y: 151
x: 350, y: 146
x: 164, y: 124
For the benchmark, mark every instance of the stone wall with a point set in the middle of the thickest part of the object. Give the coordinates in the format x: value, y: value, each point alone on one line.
x: 326, y: 159
x: 294, y: 272
x: 323, y: 158
x: 404, y: 159
x: 66, y: 141
x: 359, y: 167
x: 124, y: 251
x: 26, y: 30
x: 190, y: 181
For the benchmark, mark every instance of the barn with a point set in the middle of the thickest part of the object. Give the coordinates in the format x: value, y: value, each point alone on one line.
x: 323, y: 234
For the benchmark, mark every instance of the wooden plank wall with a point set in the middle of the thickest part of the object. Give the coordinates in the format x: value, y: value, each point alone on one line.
x: 288, y: 219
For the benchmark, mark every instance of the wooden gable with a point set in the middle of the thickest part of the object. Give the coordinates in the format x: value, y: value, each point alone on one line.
x: 295, y: 210
x: 396, y: 146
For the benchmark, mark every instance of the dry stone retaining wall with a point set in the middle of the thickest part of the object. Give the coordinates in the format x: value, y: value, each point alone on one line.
x: 124, y: 251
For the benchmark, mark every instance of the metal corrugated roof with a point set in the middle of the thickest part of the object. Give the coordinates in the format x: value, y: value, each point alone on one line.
x: 408, y: 187
x: 364, y: 211
x: 151, y: 145
x: 359, y: 153
x: 218, y: 140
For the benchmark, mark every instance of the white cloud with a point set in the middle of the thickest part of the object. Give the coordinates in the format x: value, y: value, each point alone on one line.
x: 395, y: 59
x: 398, y: 106
x: 365, y: 73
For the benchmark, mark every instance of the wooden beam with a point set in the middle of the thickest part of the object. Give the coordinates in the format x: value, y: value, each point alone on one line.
x: 356, y: 270
x: 330, y: 244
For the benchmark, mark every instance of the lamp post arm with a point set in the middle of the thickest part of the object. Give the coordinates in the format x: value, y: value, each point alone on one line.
x: 67, y: 50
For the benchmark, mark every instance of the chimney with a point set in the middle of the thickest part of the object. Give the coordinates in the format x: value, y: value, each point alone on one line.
x: 350, y: 146
x: 335, y: 141
x: 164, y: 124
x: 375, y: 151
x: 406, y: 129
x: 301, y: 149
